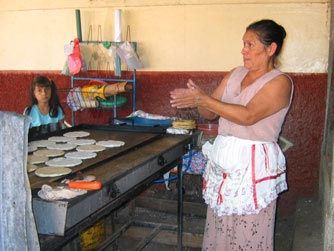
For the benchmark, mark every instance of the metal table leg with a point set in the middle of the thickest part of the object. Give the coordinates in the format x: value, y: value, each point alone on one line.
x: 179, y: 205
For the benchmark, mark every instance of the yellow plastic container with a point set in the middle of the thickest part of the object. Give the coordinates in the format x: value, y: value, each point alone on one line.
x: 93, y: 236
x: 93, y: 91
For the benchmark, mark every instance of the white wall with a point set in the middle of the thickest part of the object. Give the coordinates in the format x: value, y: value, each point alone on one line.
x: 172, y: 35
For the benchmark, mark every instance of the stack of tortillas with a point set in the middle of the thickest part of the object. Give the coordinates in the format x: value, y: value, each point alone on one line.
x: 184, y: 124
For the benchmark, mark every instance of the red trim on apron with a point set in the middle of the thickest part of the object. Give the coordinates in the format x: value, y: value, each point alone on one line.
x: 265, y: 149
x: 220, y: 196
x: 269, y: 177
x: 254, y: 178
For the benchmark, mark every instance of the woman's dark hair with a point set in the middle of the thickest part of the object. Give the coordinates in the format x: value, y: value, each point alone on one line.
x: 269, y: 32
x: 54, y: 103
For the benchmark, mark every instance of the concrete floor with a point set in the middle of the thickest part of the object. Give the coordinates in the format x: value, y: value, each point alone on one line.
x: 158, y: 205
x: 192, y: 238
x: 308, y: 228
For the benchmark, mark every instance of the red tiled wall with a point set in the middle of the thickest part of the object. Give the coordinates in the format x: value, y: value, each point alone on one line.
x: 303, y: 126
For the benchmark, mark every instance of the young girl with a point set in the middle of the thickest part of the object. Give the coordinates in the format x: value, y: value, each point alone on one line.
x: 45, y: 110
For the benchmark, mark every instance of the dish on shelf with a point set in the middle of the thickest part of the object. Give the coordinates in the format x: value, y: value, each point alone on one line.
x: 138, y: 121
x: 110, y: 102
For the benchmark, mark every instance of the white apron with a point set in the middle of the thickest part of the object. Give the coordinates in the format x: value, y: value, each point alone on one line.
x: 242, y: 176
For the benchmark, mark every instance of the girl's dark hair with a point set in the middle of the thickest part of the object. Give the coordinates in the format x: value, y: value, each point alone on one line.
x: 269, y: 32
x: 54, y: 103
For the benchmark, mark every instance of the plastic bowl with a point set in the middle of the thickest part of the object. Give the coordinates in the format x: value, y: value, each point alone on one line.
x: 208, y: 129
x: 110, y: 102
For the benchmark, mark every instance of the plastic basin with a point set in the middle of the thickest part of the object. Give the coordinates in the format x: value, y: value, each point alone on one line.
x: 208, y: 129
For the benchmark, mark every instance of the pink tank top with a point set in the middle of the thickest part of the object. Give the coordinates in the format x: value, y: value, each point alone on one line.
x: 267, y: 129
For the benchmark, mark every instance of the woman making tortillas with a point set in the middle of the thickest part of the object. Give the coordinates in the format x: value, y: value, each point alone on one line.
x: 245, y: 171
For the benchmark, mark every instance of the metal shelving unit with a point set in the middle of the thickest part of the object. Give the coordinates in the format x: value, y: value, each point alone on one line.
x: 111, y: 43
x: 131, y: 80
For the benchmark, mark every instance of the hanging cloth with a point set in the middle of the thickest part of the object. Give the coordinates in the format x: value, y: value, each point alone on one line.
x: 17, y: 228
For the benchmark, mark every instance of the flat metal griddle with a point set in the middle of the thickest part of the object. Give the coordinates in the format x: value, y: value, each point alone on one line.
x: 124, y: 172
x: 133, y: 139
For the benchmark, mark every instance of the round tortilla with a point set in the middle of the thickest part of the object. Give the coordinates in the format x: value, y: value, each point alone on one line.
x: 110, y: 143
x: 61, y: 146
x: 49, y: 171
x: 63, y: 162
x: 31, y: 168
x: 41, y: 143
x: 49, y: 152
x: 90, y: 148
x: 81, y: 142
x: 60, y: 139
x: 76, y: 134
x: 80, y: 155
x: 31, y: 148
x: 35, y: 159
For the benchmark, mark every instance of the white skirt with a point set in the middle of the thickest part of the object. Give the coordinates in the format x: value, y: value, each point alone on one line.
x: 242, y: 176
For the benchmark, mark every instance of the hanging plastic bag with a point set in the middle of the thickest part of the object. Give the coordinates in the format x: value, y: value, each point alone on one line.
x: 127, y: 52
x: 112, y: 52
x: 128, y: 55
x: 83, y: 64
x: 68, y: 50
x: 74, y: 59
x: 66, y: 70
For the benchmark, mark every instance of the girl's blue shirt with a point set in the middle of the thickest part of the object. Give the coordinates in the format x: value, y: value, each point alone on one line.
x: 39, y: 119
